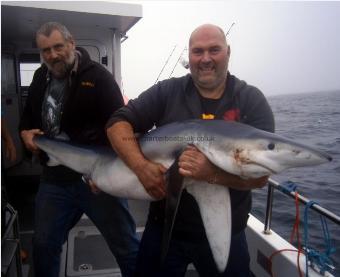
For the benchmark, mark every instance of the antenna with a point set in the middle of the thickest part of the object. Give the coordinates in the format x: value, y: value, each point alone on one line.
x: 229, y: 29
x: 166, y: 62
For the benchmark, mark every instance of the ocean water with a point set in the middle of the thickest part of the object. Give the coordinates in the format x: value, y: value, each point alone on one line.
x: 313, y: 119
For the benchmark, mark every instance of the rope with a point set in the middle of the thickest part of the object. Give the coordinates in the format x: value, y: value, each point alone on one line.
x: 322, y: 260
x: 290, y: 186
x: 296, y: 230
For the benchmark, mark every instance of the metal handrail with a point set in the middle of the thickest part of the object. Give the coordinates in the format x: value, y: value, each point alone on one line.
x: 13, y: 219
x: 276, y: 185
x: 12, y: 234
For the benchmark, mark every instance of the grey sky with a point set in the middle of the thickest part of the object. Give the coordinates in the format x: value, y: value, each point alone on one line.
x: 280, y: 47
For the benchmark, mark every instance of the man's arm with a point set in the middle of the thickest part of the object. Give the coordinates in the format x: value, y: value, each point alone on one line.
x: 110, y: 99
x: 150, y: 174
x: 10, y: 150
x: 139, y: 115
x: 26, y: 126
x: 193, y: 163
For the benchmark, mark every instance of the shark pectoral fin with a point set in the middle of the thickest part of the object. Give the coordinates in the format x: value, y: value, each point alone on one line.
x: 214, y: 204
x: 52, y: 161
x: 174, y: 183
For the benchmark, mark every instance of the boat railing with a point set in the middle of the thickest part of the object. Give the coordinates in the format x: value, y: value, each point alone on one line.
x: 272, y: 185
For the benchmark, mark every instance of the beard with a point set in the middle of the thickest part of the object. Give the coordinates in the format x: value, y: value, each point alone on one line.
x: 59, y: 67
x: 209, y: 82
x: 210, y: 79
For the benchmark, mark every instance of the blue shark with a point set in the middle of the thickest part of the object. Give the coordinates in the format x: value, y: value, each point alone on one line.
x: 233, y: 147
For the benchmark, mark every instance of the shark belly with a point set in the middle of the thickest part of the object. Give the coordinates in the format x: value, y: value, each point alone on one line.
x: 115, y: 178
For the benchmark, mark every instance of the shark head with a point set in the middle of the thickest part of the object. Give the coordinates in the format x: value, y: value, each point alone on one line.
x: 256, y: 158
x: 252, y: 153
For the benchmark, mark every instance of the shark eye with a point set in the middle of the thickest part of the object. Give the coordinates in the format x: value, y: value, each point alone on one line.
x: 271, y: 146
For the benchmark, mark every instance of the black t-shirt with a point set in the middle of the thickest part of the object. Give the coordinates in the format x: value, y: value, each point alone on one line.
x: 188, y: 224
x: 209, y: 107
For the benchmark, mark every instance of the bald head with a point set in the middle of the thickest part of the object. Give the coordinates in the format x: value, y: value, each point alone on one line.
x: 209, y: 29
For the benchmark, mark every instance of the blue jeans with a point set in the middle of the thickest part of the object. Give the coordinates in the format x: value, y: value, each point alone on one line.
x: 58, y: 209
x: 185, y: 250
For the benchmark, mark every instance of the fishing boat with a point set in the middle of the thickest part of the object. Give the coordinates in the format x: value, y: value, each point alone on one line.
x: 101, y: 28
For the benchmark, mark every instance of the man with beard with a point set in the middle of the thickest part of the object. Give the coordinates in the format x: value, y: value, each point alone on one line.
x: 74, y: 96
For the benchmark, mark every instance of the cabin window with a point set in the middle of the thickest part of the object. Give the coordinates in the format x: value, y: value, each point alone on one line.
x: 26, y: 73
x: 28, y: 64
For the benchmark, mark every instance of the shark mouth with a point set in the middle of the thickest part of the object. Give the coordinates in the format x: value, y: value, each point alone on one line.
x: 272, y: 171
x: 245, y: 160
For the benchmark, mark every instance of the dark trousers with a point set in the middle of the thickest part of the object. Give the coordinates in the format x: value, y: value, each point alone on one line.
x: 58, y: 209
x: 188, y: 249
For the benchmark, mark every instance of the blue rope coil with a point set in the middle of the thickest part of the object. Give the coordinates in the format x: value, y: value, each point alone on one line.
x: 322, y: 260
x: 288, y: 186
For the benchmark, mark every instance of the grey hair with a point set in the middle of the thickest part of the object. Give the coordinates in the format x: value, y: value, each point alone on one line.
x: 47, y: 28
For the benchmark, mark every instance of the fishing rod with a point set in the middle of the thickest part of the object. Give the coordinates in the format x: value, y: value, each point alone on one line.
x: 231, y: 26
x: 180, y: 56
x: 166, y: 62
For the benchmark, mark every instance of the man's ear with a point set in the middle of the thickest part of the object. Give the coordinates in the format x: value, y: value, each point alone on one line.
x: 229, y: 51
x: 73, y: 43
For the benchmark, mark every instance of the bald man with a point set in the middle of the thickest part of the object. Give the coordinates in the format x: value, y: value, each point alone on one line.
x: 208, y: 92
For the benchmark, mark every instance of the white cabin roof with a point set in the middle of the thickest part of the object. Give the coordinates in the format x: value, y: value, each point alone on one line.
x: 23, y: 18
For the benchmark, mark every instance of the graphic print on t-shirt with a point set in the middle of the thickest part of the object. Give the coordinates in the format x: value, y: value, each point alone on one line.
x: 52, y: 107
